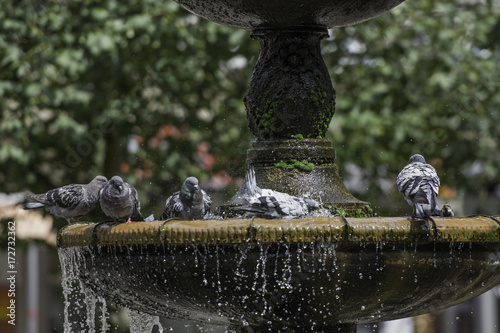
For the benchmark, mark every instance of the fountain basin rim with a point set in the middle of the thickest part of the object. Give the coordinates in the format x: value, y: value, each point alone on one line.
x: 334, y: 249
x: 257, y: 14
x: 339, y: 229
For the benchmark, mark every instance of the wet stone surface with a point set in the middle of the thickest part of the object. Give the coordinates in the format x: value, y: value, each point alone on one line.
x: 288, y: 274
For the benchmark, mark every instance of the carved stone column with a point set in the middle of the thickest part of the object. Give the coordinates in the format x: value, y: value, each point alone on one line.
x: 290, y: 103
x: 290, y: 93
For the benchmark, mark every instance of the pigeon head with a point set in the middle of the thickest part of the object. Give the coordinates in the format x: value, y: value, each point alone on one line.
x: 417, y: 158
x: 189, y: 188
x: 116, y: 184
x: 99, y: 181
x: 191, y: 185
x: 311, y: 204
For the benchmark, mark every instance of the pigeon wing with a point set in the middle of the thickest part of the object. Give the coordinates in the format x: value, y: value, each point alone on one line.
x: 265, y: 207
x: 417, y: 171
x: 207, y: 202
x: 69, y: 196
x: 431, y: 177
x: 136, y: 211
x: 173, y: 207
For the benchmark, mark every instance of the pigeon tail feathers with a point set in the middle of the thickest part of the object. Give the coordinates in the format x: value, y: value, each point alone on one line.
x: 251, y: 188
x: 33, y: 205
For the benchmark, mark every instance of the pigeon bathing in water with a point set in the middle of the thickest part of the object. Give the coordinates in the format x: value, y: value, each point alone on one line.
x: 119, y: 200
x: 70, y: 201
x: 190, y: 203
x: 272, y: 204
x: 419, y: 184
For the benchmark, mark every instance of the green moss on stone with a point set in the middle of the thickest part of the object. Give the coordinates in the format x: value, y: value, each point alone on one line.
x: 304, y: 165
x: 365, y: 211
x: 320, y: 100
x: 284, y: 165
x: 267, y: 123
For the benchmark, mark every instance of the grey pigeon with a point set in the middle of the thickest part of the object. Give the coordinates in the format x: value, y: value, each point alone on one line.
x: 447, y: 211
x: 272, y: 204
x: 419, y: 184
x: 190, y: 203
x: 70, y: 201
x: 119, y: 200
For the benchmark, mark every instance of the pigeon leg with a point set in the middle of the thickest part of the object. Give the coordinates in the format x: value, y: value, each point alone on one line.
x: 129, y: 221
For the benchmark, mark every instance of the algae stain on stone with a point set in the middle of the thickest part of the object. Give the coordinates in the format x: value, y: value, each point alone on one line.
x: 304, y: 165
x: 268, y: 122
x: 365, y: 211
x: 321, y: 100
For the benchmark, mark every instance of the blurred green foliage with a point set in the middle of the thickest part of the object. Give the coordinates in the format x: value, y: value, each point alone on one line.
x: 138, y: 88
x: 423, y: 78
x: 149, y: 91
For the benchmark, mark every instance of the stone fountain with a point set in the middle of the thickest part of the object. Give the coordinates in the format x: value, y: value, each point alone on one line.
x: 312, y: 274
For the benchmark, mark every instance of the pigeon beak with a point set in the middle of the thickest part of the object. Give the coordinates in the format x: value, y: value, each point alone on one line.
x: 120, y: 187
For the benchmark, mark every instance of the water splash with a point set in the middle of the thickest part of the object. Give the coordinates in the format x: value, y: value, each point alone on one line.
x: 80, y: 303
x: 104, y: 315
x: 72, y: 304
x: 90, y: 302
x: 267, y: 277
x: 143, y: 322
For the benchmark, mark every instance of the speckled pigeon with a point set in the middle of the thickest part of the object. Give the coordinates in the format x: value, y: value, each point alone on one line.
x: 267, y: 203
x: 419, y: 184
x: 119, y: 200
x: 190, y: 203
x: 70, y: 201
x: 447, y: 211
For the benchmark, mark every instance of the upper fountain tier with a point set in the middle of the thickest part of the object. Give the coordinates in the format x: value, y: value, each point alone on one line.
x: 254, y: 14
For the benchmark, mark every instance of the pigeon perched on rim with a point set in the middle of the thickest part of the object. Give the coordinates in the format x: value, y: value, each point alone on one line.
x: 119, y: 200
x: 190, y: 203
x: 447, y: 211
x: 271, y: 204
x: 71, y: 201
x: 419, y: 184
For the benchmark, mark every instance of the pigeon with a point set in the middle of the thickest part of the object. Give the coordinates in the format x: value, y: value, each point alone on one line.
x: 419, y: 184
x: 271, y: 204
x: 190, y: 203
x: 447, y: 211
x: 119, y: 200
x: 70, y: 201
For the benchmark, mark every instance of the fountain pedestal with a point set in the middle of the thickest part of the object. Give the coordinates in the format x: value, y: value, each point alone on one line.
x: 304, y: 168
x: 290, y: 103
x: 290, y: 95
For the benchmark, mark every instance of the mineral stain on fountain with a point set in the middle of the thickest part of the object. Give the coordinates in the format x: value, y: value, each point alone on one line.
x: 313, y: 274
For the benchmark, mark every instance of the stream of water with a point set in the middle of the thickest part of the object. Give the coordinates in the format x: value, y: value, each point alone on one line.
x: 257, y: 277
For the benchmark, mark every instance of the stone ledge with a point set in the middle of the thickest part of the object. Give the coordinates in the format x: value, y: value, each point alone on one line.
x: 482, y: 229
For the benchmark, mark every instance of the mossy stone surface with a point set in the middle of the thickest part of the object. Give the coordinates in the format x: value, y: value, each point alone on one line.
x: 290, y: 93
x: 303, y: 168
